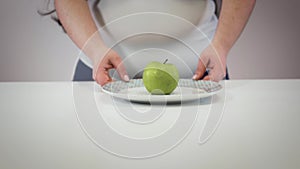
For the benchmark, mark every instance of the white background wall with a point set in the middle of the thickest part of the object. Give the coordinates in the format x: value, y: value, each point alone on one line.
x: 33, y: 48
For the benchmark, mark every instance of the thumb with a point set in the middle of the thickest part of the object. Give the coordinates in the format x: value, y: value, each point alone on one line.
x: 201, y: 69
x: 118, y: 65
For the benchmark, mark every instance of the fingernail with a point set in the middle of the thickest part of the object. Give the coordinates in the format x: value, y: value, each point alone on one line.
x: 126, y: 77
x: 194, y: 77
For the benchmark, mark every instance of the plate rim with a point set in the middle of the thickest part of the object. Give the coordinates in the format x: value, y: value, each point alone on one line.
x: 169, y: 98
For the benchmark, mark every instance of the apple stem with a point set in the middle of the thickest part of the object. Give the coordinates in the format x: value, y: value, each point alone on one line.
x: 165, y: 61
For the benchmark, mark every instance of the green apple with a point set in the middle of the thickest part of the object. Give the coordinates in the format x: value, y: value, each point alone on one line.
x: 160, y: 78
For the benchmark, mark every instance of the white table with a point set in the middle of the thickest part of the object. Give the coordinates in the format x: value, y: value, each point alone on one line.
x: 39, y: 128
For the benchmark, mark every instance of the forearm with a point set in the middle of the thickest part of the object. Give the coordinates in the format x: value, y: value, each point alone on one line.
x: 233, y: 18
x: 79, y: 25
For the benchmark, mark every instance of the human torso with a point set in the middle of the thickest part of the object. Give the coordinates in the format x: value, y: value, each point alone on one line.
x: 145, y: 30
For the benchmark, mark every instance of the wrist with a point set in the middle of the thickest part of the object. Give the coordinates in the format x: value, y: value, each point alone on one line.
x: 221, y: 48
x: 94, y: 48
x: 97, y: 53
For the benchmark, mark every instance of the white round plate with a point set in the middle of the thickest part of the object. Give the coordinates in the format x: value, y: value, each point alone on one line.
x: 186, y: 90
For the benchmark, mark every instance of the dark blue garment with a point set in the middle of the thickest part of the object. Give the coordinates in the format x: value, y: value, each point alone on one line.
x: 83, y: 72
x: 218, y: 7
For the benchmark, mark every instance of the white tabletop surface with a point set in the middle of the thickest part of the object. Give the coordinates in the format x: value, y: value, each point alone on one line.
x: 257, y: 122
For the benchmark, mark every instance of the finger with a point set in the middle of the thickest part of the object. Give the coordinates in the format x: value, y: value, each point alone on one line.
x: 201, y: 69
x: 207, y: 78
x: 214, y: 75
x: 96, y: 68
x: 118, y: 64
x: 102, y: 77
x: 100, y: 72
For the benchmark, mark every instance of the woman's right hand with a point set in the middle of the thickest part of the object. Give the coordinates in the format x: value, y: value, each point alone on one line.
x: 81, y: 28
x: 108, y: 59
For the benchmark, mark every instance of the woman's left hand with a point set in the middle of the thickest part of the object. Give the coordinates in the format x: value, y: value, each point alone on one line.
x: 213, y: 60
x: 233, y: 18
